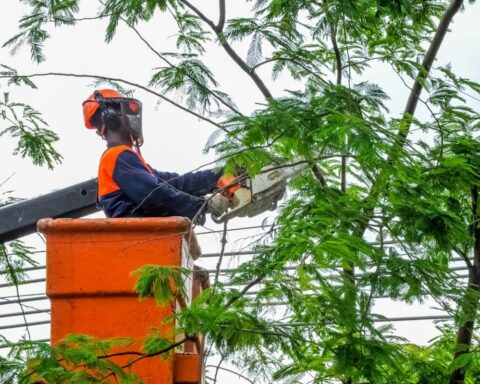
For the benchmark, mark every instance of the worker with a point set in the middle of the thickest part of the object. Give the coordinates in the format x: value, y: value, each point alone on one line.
x: 127, y: 185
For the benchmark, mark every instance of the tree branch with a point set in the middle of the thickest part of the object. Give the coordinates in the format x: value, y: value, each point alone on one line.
x: 231, y: 52
x: 256, y: 79
x: 336, y: 50
x: 145, y: 356
x: 168, y: 62
x: 218, y: 368
x: 245, y: 290
x: 430, y: 56
x: 318, y: 174
x: 339, y: 66
x: 231, y: 371
x: 469, y: 305
x: 136, y: 85
x: 222, y: 252
x: 200, y: 14
x: 410, y: 108
x: 464, y: 256
x: 221, y: 18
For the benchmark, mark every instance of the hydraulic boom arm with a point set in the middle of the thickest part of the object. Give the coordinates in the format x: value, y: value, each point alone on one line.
x: 21, y: 218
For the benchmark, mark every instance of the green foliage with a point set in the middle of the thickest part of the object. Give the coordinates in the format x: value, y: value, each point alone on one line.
x: 27, y: 127
x: 191, y: 35
x: 163, y: 283
x: 30, y: 362
x: 132, y: 11
x: 155, y: 343
x: 382, y: 214
x: 15, y: 256
x: 234, y: 326
x: 32, y: 29
x: 190, y: 76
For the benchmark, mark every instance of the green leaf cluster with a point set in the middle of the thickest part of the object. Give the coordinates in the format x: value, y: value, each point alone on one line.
x: 163, y: 283
x: 25, y: 125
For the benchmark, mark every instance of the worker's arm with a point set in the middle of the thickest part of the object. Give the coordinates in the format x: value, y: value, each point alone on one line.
x: 151, y: 195
x: 194, y: 183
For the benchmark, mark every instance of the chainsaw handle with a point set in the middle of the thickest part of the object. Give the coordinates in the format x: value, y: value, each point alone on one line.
x: 228, y: 185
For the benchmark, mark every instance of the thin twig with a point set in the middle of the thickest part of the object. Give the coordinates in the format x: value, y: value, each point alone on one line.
x: 230, y: 51
x: 464, y: 256
x: 336, y: 50
x: 245, y: 290
x: 294, y: 62
x: 148, y: 355
x: 218, y: 369
x: 139, y: 86
x: 17, y: 290
x: 169, y: 63
x: 231, y: 371
x: 6, y: 180
x: 223, y: 241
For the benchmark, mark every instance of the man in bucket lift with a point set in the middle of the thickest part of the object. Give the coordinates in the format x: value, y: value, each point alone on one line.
x: 127, y: 185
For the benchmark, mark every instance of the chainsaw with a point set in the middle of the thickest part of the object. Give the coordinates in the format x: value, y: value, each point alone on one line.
x: 251, y: 196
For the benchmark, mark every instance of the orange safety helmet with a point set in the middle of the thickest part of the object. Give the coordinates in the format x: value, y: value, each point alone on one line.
x: 90, y: 106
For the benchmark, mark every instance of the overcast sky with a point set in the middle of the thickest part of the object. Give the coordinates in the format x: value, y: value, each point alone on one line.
x: 174, y: 140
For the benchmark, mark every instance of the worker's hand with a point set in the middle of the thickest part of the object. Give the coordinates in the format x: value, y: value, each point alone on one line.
x: 217, y: 205
x: 227, y: 185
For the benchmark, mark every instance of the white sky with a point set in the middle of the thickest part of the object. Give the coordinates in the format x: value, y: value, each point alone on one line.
x: 173, y: 139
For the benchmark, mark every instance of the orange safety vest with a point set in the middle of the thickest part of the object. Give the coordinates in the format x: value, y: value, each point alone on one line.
x: 106, y: 184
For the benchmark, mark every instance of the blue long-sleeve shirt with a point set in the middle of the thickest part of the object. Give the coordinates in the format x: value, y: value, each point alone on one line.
x: 144, y: 194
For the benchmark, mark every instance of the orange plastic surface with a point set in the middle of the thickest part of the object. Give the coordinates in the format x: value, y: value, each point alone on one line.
x: 90, y: 285
x: 226, y: 185
x: 187, y: 368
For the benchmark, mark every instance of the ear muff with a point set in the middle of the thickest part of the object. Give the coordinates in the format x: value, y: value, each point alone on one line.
x: 111, y: 118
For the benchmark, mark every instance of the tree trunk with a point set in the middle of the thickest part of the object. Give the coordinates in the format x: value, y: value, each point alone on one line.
x: 469, y: 305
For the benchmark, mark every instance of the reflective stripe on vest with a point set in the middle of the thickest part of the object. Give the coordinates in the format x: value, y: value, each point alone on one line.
x: 106, y: 184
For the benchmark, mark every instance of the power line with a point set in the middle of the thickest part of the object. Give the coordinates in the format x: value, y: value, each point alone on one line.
x: 28, y: 269
x: 20, y: 325
x: 10, y: 345
x: 4, y: 301
x: 33, y: 312
x: 23, y: 282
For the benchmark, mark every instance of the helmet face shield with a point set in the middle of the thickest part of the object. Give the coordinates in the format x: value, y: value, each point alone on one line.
x: 119, y: 112
x: 131, y: 117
